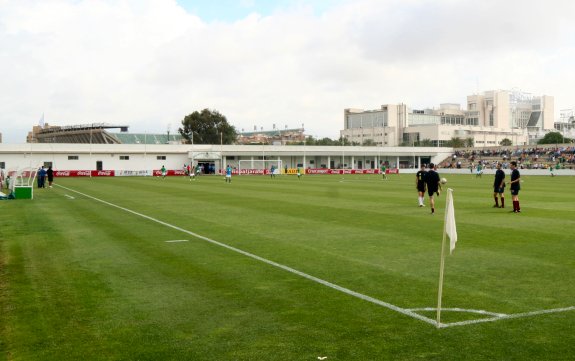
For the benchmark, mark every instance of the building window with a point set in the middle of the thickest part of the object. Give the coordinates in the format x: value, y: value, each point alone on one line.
x: 2, y: 165
x: 73, y: 157
x: 161, y: 157
x: 124, y: 157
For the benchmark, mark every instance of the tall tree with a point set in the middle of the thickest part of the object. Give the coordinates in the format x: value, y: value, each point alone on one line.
x: 207, y: 127
x: 553, y: 138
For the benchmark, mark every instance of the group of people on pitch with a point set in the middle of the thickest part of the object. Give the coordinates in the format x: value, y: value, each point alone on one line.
x: 428, y: 180
x: 514, y: 186
x: 44, y: 173
x: 431, y: 182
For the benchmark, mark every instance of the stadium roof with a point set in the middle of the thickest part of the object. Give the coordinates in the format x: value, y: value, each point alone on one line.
x: 144, y: 138
x: 273, y: 132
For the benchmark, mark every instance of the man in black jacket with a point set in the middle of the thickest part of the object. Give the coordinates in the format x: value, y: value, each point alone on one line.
x: 433, y: 185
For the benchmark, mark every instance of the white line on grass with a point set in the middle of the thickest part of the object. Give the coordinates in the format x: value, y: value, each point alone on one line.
x: 508, y: 316
x: 272, y: 263
x: 404, y: 311
x: 481, y: 312
x: 69, y: 196
x: 177, y: 240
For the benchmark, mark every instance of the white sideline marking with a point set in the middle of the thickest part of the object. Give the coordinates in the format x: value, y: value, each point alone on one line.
x: 481, y: 312
x: 508, y: 316
x: 69, y: 196
x: 404, y: 311
x: 177, y: 240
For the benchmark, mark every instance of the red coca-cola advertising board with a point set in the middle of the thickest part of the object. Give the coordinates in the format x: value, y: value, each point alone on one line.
x: 169, y: 172
x: 84, y: 173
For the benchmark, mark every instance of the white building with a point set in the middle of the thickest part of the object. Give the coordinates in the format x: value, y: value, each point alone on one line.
x: 566, y: 123
x: 489, y: 118
x: 143, y: 158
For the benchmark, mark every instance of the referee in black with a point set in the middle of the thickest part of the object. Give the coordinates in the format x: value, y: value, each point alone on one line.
x: 433, y: 185
x: 499, y: 187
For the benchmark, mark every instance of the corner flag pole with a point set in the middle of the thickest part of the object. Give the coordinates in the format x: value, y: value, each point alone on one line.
x: 449, y: 222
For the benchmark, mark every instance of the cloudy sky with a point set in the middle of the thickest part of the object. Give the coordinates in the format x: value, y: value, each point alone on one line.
x: 148, y: 63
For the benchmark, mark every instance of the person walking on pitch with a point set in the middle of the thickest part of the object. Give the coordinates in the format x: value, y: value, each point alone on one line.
x: 420, y: 185
x: 433, y: 183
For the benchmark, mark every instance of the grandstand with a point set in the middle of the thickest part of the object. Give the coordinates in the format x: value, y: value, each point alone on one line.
x: 144, y: 138
x: 96, y: 133
x: 529, y: 157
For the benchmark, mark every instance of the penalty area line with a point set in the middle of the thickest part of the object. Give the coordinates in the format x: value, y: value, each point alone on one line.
x: 269, y: 262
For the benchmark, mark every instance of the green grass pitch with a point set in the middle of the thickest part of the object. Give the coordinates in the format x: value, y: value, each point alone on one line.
x: 113, y: 272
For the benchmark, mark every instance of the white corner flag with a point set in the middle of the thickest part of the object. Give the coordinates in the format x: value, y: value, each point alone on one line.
x: 450, y: 231
x: 450, y: 228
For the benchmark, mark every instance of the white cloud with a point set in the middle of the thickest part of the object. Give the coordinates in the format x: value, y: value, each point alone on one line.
x: 149, y: 63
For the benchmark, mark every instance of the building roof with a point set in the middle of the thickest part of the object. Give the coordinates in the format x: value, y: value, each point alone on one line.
x: 144, y: 138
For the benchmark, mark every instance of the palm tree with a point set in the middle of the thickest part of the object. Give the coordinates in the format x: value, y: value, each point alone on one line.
x: 456, y: 142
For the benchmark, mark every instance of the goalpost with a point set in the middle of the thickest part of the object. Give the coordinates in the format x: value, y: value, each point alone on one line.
x: 259, y: 166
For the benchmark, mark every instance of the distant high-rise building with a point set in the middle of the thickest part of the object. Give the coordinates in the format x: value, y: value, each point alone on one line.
x: 489, y: 118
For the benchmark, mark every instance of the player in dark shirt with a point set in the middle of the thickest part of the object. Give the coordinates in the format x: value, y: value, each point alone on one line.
x: 515, y: 186
x: 499, y: 186
x: 433, y: 183
x: 420, y: 184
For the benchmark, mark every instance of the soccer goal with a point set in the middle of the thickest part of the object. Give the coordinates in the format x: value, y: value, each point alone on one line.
x: 259, y: 166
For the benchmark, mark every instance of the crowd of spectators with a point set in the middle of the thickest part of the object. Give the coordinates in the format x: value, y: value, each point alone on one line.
x: 527, y: 158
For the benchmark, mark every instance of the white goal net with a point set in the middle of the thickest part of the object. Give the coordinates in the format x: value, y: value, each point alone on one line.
x: 248, y: 166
